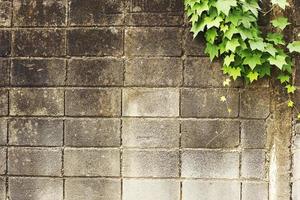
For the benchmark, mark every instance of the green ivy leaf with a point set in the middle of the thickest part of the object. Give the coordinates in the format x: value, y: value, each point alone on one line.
x: 234, y: 72
x: 281, y: 3
x: 212, y: 50
x: 201, y: 7
x: 283, y: 78
x: 211, y: 35
x: 271, y: 50
x: 232, y: 44
x: 280, y: 22
x: 224, y: 6
x: 290, y: 89
x: 294, y: 47
x: 276, y: 38
x: 253, y: 76
x: 279, y: 61
x: 253, y: 60
x: 290, y: 103
x: 228, y: 59
x: 257, y: 44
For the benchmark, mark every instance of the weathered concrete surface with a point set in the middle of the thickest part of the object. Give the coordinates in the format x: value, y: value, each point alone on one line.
x: 114, y: 100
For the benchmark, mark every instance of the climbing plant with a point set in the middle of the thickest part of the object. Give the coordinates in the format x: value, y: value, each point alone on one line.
x: 232, y: 33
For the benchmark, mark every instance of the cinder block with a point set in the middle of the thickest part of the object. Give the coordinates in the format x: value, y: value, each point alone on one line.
x: 153, y: 41
x: 95, y: 42
x: 153, y: 72
x: 39, y: 13
x: 96, y: 12
x: 210, y: 190
x: 34, y: 161
x: 6, y: 12
x: 2, y: 188
x: 146, y: 189
x: 93, y: 102
x: 39, y: 42
x: 37, y: 102
x: 3, y: 131
x: 92, y: 189
x: 254, y: 134
x: 150, y: 163
x: 207, y: 103
x: 210, y: 164
x: 255, y: 103
x: 253, y: 163
x: 95, y: 72
x: 37, y: 72
x: 92, y: 132
x: 146, y: 133
x: 36, y: 132
x: 3, y: 102
x: 255, y: 191
x: 151, y: 102
x: 210, y: 133
x: 5, y: 42
x: 35, y: 188
x: 91, y: 162
x: 2, y: 160
x: 201, y: 72
x: 4, y: 68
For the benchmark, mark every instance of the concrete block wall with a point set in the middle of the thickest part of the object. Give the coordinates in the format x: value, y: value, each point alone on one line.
x: 113, y: 100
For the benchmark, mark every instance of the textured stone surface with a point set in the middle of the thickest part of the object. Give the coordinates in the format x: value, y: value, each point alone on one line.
x: 150, y: 133
x: 92, y: 189
x: 154, y: 19
x: 210, y: 164
x: 201, y: 72
x: 46, y: 42
x: 255, y: 103
x: 153, y: 41
x: 96, y: 12
x: 153, y: 72
x: 194, y: 47
x: 150, y: 102
x: 36, y: 132
x: 156, y: 6
x: 206, y: 103
x: 92, y: 132
x: 253, y: 163
x: 36, y: 102
x: 93, y: 102
x: 3, y: 102
x: 296, y: 164
x: 2, y: 188
x: 253, y: 134
x: 92, y: 162
x: 136, y: 189
x: 255, y: 191
x: 210, y: 190
x: 296, y: 190
x: 35, y: 188
x: 39, y: 13
x: 95, y: 42
x: 210, y: 133
x: 34, y: 161
x: 4, y: 72
x: 95, y: 72
x: 5, y: 43
x: 36, y: 72
x: 2, y: 160
x: 5, y: 10
x: 3, y: 131
x: 149, y: 163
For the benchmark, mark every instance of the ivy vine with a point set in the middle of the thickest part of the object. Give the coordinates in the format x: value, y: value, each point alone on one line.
x: 232, y: 32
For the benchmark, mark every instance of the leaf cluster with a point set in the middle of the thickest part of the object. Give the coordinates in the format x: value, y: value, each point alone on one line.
x: 232, y: 32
